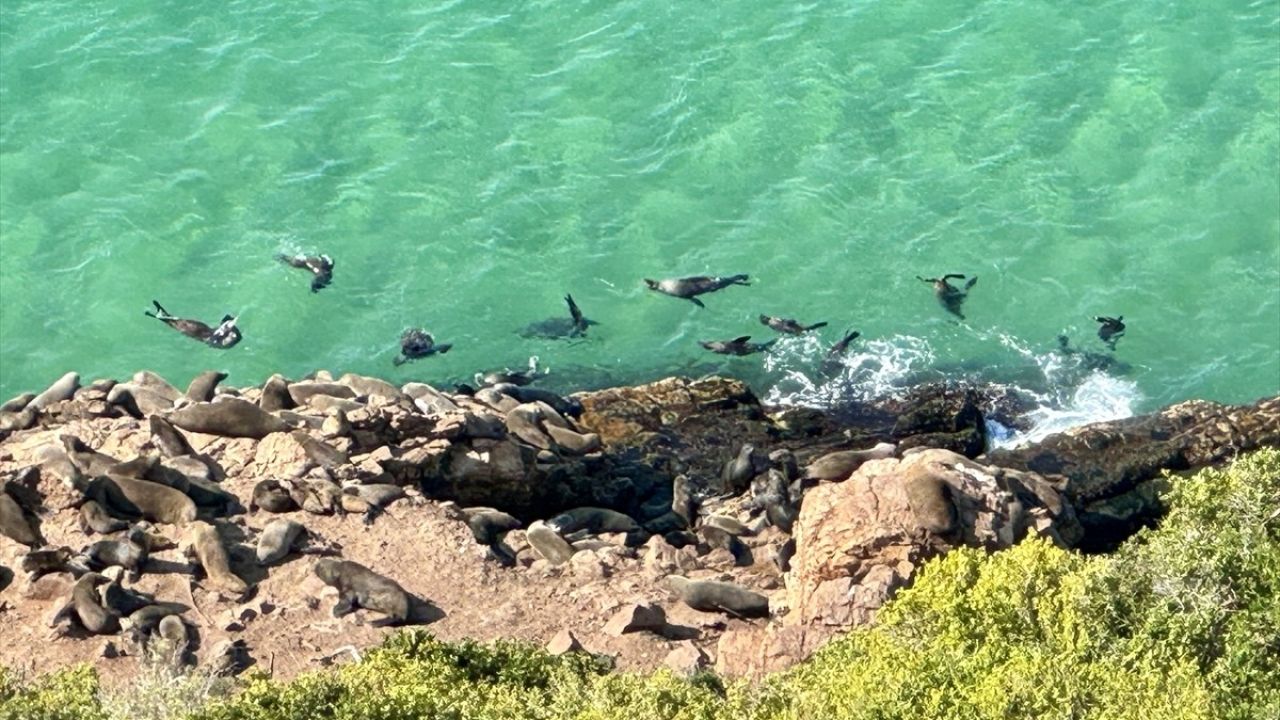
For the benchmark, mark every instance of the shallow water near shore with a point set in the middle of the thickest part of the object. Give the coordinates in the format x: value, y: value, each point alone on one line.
x: 467, y: 165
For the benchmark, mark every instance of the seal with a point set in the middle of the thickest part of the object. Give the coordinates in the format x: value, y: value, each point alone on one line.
x: 84, y: 458
x: 560, y: 327
x: 18, y: 403
x: 929, y: 498
x: 204, y: 385
x: 487, y: 525
x: 789, y: 326
x: 548, y: 543
x: 360, y: 587
x: 41, y: 562
x: 715, y: 596
x: 224, y: 336
x: 592, y: 519
x: 204, y: 545
x: 275, y: 394
x: 507, y: 376
x: 271, y: 495
x: 1090, y: 360
x: 949, y: 295
x: 1111, y: 329
x: 832, y: 362
x: 320, y: 267
x: 277, y: 539
x: 682, y: 501
x: 14, y: 523
x: 94, y: 518
x: 130, y: 554
x: 568, y: 407
x: 84, y: 606
x: 736, y: 474
x: 166, y: 438
x: 231, y: 417
x: 689, y: 288
x: 417, y: 343
x: 841, y: 464
x: 736, y: 346
x: 63, y: 389
x: 130, y: 497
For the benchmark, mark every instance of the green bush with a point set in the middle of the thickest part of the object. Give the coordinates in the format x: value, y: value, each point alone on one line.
x: 1181, y: 623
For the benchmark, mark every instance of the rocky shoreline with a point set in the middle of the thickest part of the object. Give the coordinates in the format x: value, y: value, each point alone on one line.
x: 192, y: 520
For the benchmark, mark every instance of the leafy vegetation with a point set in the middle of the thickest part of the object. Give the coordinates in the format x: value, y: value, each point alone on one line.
x: 1181, y: 623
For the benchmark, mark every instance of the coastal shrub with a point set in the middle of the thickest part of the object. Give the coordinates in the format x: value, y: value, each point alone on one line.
x: 1181, y: 623
x: 69, y: 694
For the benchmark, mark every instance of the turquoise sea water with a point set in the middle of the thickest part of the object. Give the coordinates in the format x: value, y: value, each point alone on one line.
x: 467, y: 163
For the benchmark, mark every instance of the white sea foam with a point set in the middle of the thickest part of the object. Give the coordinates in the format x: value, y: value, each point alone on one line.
x: 1098, y: 399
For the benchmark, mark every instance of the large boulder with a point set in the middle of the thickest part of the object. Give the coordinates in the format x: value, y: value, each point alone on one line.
x: 860, y: 540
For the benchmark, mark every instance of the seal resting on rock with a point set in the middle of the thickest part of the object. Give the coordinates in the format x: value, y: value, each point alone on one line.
x: 203, y: 385
x: 85, y: 607
x: 224, y: 336
x: 715, y: 596
x: 232, y: 417
x: 277, y: 539
x: 592, y: 519
x: 271, y: 495
x: 360, y: 587
x: 205, y: 546
x: 841, y: 464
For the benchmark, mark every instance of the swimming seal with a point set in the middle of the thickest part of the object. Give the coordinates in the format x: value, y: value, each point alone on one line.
x: 560, y: 327
x: 714, y: 596
x: 320, y: 267
x: 736, y: 346
x: 204, y: 545
x: 360, y: 587
x: 224, y: 336
x: 1111, y: 329
x: 690, y: 287
x: 789, y: 326
x: 231, y: 417
x: 417, y: 343
x: 831, y: 363
x: 950, y: 296
x: 204, y: 385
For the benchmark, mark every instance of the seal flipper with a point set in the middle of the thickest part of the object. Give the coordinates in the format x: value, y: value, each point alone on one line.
x: 697, y: 302
x: 971, y: 282
x: 345, y: 606
x: 742, y: 339
x: 815, y: 326
x: 737, y: 280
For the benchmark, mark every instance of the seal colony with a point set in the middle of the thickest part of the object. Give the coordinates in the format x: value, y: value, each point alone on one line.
x: 148, y: 524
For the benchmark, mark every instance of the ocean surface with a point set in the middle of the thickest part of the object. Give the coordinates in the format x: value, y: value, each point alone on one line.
x: 468, y: 163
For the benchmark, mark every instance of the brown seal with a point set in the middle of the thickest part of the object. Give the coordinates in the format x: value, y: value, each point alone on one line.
x: 360, y: 587
x: 231, y: 417
x: 715, y: 596
x: 688, y: 288
x: 204, y: 385
x: 85, y: 607
x: 205, y: 546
